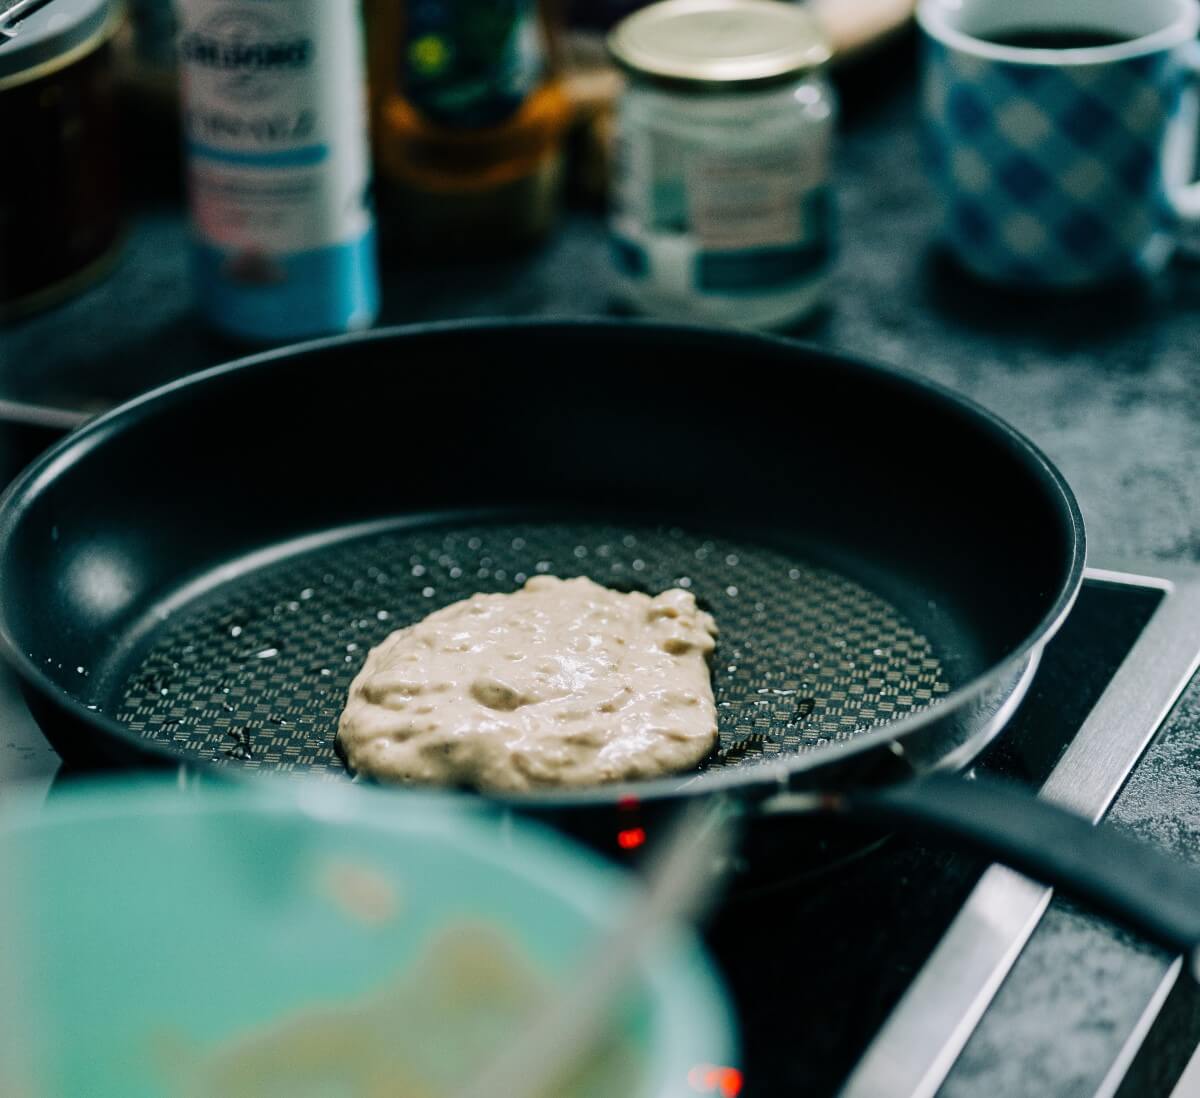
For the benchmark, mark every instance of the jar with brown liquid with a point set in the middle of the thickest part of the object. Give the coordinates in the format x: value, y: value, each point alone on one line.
x: 60, y: 222
x: 469, y: 116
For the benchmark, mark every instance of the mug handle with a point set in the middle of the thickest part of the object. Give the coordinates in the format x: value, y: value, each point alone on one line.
x: 1180, y: 154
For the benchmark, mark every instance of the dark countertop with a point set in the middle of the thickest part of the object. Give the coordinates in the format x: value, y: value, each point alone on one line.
x: 1108, y: 386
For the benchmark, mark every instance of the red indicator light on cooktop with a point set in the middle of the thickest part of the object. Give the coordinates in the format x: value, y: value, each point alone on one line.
x: 631, y: 838
x: 711, y: 1079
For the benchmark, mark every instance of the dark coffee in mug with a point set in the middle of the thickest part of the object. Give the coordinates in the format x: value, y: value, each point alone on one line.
x: 1054, y: 38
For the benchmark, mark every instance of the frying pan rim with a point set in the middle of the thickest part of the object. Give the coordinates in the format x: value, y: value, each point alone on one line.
x: 73, y: 447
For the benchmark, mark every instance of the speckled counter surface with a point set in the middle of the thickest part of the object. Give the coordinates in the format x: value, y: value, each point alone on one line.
x: 1108, y: 386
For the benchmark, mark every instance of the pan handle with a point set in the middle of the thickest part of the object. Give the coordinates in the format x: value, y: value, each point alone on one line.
x: 1134, y: 883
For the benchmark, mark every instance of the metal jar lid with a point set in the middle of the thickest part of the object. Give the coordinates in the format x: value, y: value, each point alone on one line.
x: 39, y: 36
x: 719, y: 44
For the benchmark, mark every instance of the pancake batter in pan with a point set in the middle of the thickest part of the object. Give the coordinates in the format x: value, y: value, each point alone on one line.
x: 563, y: 682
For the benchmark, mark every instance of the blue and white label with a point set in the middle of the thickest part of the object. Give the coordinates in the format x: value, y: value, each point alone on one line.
x: 274, y: 120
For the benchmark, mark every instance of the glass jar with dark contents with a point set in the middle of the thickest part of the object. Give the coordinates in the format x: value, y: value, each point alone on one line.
x: 59, y: 210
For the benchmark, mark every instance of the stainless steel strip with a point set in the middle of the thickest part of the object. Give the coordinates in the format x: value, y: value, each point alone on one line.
x: 919, y: 1043
x: 1119, y: 1068
x: 42, y: 415
x: 1189, y: 1082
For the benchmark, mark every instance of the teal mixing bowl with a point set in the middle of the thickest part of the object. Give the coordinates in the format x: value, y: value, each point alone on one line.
x: 158, y: 940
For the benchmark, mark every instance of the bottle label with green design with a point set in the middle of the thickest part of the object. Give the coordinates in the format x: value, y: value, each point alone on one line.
x: 470, y: 63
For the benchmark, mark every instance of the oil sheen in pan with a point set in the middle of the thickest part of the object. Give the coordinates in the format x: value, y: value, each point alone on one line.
x: 255, y: 672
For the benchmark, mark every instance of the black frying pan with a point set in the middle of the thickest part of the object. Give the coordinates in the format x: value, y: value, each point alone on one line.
x: 196, y: 576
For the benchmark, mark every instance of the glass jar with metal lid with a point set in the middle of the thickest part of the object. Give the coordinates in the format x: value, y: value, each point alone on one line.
x: 721, y: 205
x: 59, y: 210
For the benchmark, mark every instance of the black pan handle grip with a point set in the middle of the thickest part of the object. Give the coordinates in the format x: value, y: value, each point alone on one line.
x: 1134, y: 883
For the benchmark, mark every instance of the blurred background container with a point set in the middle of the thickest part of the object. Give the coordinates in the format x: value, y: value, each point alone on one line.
x: 278, y: 169
x: 721, y: 192
x: 554, y: 150
x: 470, y: 118
x: 59, y: 204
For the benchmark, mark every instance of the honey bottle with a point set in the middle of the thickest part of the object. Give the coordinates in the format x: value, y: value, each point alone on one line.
x: 469, y: 120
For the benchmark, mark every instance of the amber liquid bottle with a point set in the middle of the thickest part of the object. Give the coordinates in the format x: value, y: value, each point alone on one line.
x: 469, y: 116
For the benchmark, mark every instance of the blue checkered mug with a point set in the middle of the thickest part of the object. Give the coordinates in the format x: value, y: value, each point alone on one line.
x: 1062, y: 167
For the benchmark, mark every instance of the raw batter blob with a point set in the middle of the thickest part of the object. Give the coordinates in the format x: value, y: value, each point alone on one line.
x: 564, y: 682
x: 421, y: 1034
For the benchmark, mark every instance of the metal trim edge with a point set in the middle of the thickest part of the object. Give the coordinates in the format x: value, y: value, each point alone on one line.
x: 919, y: 1043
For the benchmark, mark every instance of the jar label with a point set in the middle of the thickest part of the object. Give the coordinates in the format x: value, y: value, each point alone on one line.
x: 721, y: 216
x: 739, y: 202
x: 274, y: 122
x: 738, y: 270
